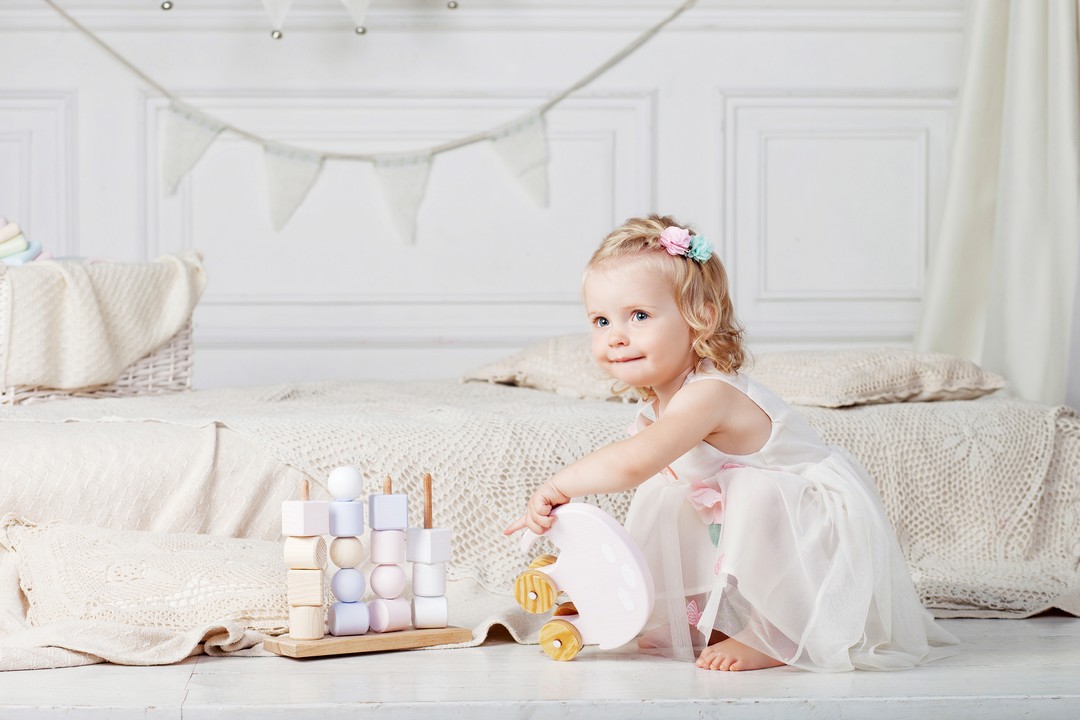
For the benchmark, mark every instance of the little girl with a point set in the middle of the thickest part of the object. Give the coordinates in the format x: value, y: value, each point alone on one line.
x: 767, y: 547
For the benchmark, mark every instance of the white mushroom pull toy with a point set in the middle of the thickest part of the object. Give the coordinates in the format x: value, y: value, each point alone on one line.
x: 603, y: 572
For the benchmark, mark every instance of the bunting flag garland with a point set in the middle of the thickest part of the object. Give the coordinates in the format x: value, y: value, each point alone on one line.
x: 187, y: 134
x: 290, y: 173
x: 403, y: 179
x: 276, y: 10
x: 523, y: 147
x: 357, y: 9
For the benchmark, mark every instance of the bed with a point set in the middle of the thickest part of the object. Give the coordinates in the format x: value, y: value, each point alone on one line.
x: 981, y: 487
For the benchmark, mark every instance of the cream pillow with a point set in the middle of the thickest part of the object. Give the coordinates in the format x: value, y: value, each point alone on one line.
x: 822, y: 378
x: 841, y: 378
x: 562, y: 365
x: 173, y: 581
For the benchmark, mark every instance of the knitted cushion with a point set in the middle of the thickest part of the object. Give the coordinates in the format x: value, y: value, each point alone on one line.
x: 821, y: 378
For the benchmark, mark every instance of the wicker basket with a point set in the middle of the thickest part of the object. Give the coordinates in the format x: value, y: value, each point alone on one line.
x: 166, y: 370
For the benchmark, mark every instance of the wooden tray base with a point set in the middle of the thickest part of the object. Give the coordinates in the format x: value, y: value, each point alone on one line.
x: 372, y: 642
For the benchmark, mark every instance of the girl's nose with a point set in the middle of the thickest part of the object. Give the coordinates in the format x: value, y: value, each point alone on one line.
x: 616, y: 337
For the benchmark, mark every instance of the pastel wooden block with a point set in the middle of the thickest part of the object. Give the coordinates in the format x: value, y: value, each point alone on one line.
x: 345, y: 483
x: 388, y: 581
x: 387, y: 547
x: 429, y: 612
x: 389, y: 615
x: 346, y: 518
x: 388, y: 511
x: 348, y: 618
x: 429, y: 580
x: 305, y: 553
x: 306, y: 622
x: 428, y: 545
x: 305, y: 518
x: 348, y: 585
x: 346, y: 552
x: 304, y: 587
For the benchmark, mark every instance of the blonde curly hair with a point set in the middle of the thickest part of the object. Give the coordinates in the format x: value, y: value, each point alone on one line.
x: 700, y: 289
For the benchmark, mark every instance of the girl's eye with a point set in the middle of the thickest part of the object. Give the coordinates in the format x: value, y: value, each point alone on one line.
x: 600, y: 322
x: 641, y: 315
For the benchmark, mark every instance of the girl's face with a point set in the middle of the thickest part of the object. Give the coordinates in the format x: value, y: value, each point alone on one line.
x: 639, y: 336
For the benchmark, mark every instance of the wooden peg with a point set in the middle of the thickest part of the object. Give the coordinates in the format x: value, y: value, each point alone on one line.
x: 427, y: 501
x: 387, y: 486
x: 304, y: 492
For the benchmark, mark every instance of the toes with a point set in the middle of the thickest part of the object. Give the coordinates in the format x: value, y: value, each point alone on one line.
x: 736, y: 666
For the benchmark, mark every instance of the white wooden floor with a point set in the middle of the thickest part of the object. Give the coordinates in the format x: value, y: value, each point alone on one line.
x: 1008, y: 669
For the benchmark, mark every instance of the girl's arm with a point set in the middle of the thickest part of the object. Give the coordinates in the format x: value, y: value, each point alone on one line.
x: 696, y: 411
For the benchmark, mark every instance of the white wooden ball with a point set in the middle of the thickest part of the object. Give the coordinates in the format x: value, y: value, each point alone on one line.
x: 345, y: 483
x: 348, y: 585
x: 346, y: 552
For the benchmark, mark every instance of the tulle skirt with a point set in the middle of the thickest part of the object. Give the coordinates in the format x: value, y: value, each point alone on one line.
x: 802, y: 565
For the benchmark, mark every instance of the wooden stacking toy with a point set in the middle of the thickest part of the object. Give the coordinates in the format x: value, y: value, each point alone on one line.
x: 386, y: 618
x: 603, y: 572
x: 349, y: 615
x: 428, y: 549
x: 303, y: 522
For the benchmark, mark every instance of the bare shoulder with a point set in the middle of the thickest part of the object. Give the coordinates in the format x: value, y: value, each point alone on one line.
x: 730, y: 413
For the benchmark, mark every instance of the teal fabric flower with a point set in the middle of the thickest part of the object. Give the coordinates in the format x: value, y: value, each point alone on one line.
x: 700, y: 248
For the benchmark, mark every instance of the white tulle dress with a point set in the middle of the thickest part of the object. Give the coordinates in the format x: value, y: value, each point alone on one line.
x: 787, y: 550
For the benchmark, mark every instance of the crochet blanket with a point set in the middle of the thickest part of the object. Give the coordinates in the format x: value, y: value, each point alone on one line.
x: 68, y: 325
x: 982, y: 493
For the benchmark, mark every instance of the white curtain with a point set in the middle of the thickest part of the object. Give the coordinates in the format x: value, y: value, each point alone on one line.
x: 1001, y: 283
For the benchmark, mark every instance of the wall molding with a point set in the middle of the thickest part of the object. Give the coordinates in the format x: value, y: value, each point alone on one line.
x: 493, y: 15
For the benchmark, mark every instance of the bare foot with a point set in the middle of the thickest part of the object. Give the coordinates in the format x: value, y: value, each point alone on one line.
x: 732, y: 655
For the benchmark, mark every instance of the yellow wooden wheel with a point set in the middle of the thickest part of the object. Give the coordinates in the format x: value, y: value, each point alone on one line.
x: 564, y: 609
x: 560, y: 640
x: 541, y: 561
x: 535, y: 591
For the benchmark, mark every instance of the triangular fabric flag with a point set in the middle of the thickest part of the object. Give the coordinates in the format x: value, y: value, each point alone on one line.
x: 403, y: 178
x: 290, y: 173
x: 523, y: 147
x: 187, y: 134
x: 276, y: 10
x: 358, y: 9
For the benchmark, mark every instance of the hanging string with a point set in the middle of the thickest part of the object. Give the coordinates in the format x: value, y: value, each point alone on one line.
x: 370, y: 157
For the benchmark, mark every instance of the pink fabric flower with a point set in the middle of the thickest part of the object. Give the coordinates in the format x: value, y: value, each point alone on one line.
x: 707, y: 497
x: 676, y: 240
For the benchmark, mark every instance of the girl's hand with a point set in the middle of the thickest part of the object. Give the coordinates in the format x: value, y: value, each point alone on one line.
x: 537, y: 515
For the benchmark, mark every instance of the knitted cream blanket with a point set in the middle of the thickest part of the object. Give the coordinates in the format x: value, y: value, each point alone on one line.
x: 71, y: 324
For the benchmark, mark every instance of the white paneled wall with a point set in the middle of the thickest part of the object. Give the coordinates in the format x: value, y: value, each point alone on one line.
x: 809, y: 140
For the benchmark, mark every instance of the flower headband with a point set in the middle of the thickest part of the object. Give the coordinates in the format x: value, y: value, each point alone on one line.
x: 679, y: 241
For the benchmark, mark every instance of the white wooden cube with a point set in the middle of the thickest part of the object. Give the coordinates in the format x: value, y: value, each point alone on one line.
x: 348, y: 618
x: 348, y: 585
x: 305, y: 553
x: 429, y: 580
x: 388, y: 512
x: 388, y: 581
x: 430, y: 612
x: 389, y: 615
x: 428, y: 545
x: 387, y: 547
x: 306, y: 622
x: 346, y: 518
x: 304, y: 587
x: 305, y: 517
x: 345, y: 483
x: 346, y: 552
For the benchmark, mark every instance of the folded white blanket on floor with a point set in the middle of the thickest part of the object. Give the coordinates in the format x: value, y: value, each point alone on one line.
x: 71, y: 325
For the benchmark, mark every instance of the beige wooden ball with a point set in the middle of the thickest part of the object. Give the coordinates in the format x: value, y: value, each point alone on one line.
x: 346, y: 552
